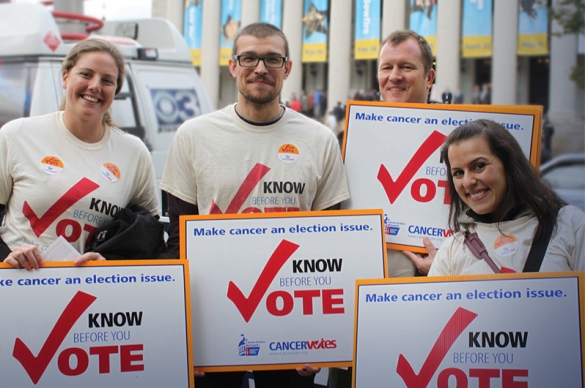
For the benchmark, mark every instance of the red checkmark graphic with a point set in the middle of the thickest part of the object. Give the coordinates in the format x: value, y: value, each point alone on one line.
x: 458, y: 322
x: 36, y: 366
x: 394, y: 188
x: 74, y: 194
x: 255, y: 175
x: 248, y: 305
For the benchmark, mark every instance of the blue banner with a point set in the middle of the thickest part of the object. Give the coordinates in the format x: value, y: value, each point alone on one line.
x: 533, y: 28
x: 367, y: 29
x: 477, y: 29
x: 315, y: 28
x: 271, y: 12
x: 231, y: 19
x: 423, y: 20
x: 193, y: 20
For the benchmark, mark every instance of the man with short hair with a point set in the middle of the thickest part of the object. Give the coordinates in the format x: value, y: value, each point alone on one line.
x: 214, y: 155
x: 405, y: 74
x: 405, y: 68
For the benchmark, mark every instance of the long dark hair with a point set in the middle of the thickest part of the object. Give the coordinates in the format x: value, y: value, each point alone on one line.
x: 524, y: 183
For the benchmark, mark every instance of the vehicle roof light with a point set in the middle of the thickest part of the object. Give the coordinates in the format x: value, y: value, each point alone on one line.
x: 149, y: 53
x: 127, y: 30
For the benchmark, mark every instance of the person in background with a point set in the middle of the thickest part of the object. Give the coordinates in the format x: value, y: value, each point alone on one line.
x: 331, y: 121
x: 458, y: 98
x: 447, y: 96
x: 318, y: 98
x: 339, y: 112
x: 485, y: 95
x: 476, y: 95
x: 498, y: 199
x: 212, y: 155
x: 305, y: 104
x: 405, y: 74
x: 56, y: 167
x: 548, y: 131
x: 295, y: 104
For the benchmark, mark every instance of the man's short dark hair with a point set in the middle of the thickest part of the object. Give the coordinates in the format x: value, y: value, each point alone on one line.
x: 400, y: 36
x: 261, y: 30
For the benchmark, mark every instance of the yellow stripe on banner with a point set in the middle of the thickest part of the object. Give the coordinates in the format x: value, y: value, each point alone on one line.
x: 195, y: 57
x: 314, y: 52
x: 476, y: 46
x: 532, y: 44
x: 367, y: 49
x: 225, y: 54
x: 432, y: 41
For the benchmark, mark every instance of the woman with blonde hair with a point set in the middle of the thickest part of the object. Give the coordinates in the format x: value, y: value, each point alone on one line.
x: 69, y: 172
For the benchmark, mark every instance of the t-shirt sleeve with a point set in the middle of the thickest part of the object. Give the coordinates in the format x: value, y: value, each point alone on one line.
x: 575, y: 218
x: 332, y: 188
x: 5, y: 174
x: 178, y: 177
x: 145, y: 191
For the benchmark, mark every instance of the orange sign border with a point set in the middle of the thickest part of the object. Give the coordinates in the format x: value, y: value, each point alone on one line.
x: 530, y: 110
x: 580, y: 275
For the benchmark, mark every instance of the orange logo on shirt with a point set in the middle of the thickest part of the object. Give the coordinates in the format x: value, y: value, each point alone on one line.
x: 506, y: 244
x: 51, y: 165
x: 289, y: 149
x: 110, y: 172
x: 288, y: 153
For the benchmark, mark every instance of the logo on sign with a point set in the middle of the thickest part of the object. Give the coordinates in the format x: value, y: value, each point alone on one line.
x: 248, y: 348
x: 390, y: 228
x: 422, y: 189
x: 174, y: 106
x: 75, y: 361
x: 280, y: 302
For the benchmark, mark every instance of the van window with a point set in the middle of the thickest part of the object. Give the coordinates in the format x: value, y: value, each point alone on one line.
x: 125, y: 112
x: 16, y: 79
x: 172, y: 97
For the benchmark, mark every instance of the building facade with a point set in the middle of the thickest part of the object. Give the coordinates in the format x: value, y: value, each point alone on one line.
x: 514, y: 62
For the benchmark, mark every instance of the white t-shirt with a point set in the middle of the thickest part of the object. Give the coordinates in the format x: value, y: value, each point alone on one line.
x: 565, y: 252
x: 223, y: 164
x: 56, y: 185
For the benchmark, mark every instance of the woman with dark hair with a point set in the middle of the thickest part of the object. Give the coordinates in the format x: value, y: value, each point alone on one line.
x: 68, y: 172
x: 502, y: 210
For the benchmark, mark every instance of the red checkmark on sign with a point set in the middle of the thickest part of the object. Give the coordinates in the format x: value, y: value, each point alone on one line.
x: 248, y: 305
x: 458, y: 322
x: 74, y: 194
x: 255, y: 175
x: 36, y: 366
x: 394, y: 188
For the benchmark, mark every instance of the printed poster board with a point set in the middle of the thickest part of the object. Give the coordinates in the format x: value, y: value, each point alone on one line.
x: 104, y: 324
x: 513, y: 330
x: 276, y: 290
x: 392, y: 160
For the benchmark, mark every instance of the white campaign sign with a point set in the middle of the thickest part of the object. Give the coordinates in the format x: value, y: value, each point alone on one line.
x: 474, y: 332
x: 392, y: 161
x: 269, y: 290
x: 95, y: 326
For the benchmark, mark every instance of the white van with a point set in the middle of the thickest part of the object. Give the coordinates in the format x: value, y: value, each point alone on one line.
x: 161, y: 89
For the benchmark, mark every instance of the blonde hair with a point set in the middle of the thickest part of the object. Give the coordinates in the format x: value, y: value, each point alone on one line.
x: 95, y: 45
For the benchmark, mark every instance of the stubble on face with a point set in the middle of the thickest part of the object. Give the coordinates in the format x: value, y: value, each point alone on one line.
x: 256, y: 96
x: 259, y: 85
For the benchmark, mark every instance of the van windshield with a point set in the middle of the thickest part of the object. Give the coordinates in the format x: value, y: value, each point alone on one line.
x: 16, y: 79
